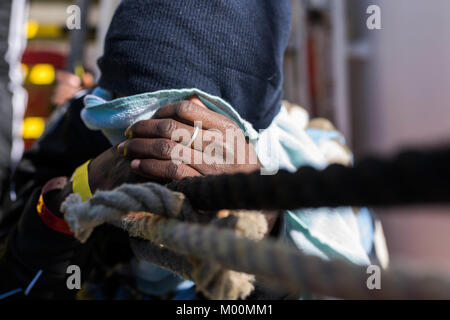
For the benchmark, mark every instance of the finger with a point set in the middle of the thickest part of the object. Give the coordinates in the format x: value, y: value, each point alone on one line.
x: 141, y: 148
x: 88, y: 80
x: 68, y: 79
x: 162, y: 149
x: 169, y: 129
x: 162, y: 169
x: 165, y: 149
x: 197, y: 101
x: 188, y: 112
x: 156, y: 128
x: 175, y: 131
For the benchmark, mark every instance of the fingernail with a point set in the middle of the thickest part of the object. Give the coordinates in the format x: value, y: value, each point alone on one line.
x: 135, y: 164
x: 128, y: 132
x: 121, y: 148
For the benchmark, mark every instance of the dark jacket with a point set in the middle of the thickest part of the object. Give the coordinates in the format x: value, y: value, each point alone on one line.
x: 27, y: 245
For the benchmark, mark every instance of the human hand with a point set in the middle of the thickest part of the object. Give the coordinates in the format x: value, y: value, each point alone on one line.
x: 68, y: 85
x: 161, y: 148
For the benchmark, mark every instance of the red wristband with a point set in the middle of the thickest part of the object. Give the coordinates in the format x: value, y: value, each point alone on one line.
x: 53, y: 222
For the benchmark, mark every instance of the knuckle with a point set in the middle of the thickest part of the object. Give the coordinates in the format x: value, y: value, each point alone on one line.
x: 184, y: 108
x: 165, y: 127
x: 172, y: 170
x: 163, y: 148
x: 138, y: 126
x: 231, y: 125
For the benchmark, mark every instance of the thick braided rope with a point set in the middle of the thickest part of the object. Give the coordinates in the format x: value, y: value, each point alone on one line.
x: 414, y: 177
x: 113, y: 206
x: 110, y: 206
x: 153, y: 253
x: 293, y: 270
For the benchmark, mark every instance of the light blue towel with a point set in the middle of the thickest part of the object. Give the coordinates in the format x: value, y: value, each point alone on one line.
x: 112, y: 117
x: 328, y: 233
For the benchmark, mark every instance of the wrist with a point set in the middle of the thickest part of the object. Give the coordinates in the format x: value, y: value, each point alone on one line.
x: 52, y: 195
x: 53, y: 199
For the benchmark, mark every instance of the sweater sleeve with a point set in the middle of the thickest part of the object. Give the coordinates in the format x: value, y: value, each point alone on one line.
x: 32, y: 256
x: 35, y: 258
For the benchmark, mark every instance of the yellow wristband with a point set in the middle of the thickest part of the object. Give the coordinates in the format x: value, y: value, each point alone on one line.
x: 80, y: 182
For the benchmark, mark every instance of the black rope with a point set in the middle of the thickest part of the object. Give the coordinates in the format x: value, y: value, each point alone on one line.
x: 411, y: 177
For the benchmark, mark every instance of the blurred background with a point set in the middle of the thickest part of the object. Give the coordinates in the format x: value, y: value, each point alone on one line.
x: 383, y: 89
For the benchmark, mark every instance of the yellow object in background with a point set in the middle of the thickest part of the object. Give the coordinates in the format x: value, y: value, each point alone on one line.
x: 32, y: 29
x: 49, y: 31
x: 35, y: 30
x: 42, y: 74
x: 79, y: 71
x: 33, y: 127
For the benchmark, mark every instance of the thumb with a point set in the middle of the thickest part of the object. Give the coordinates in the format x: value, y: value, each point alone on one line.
x: 197, y: 101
